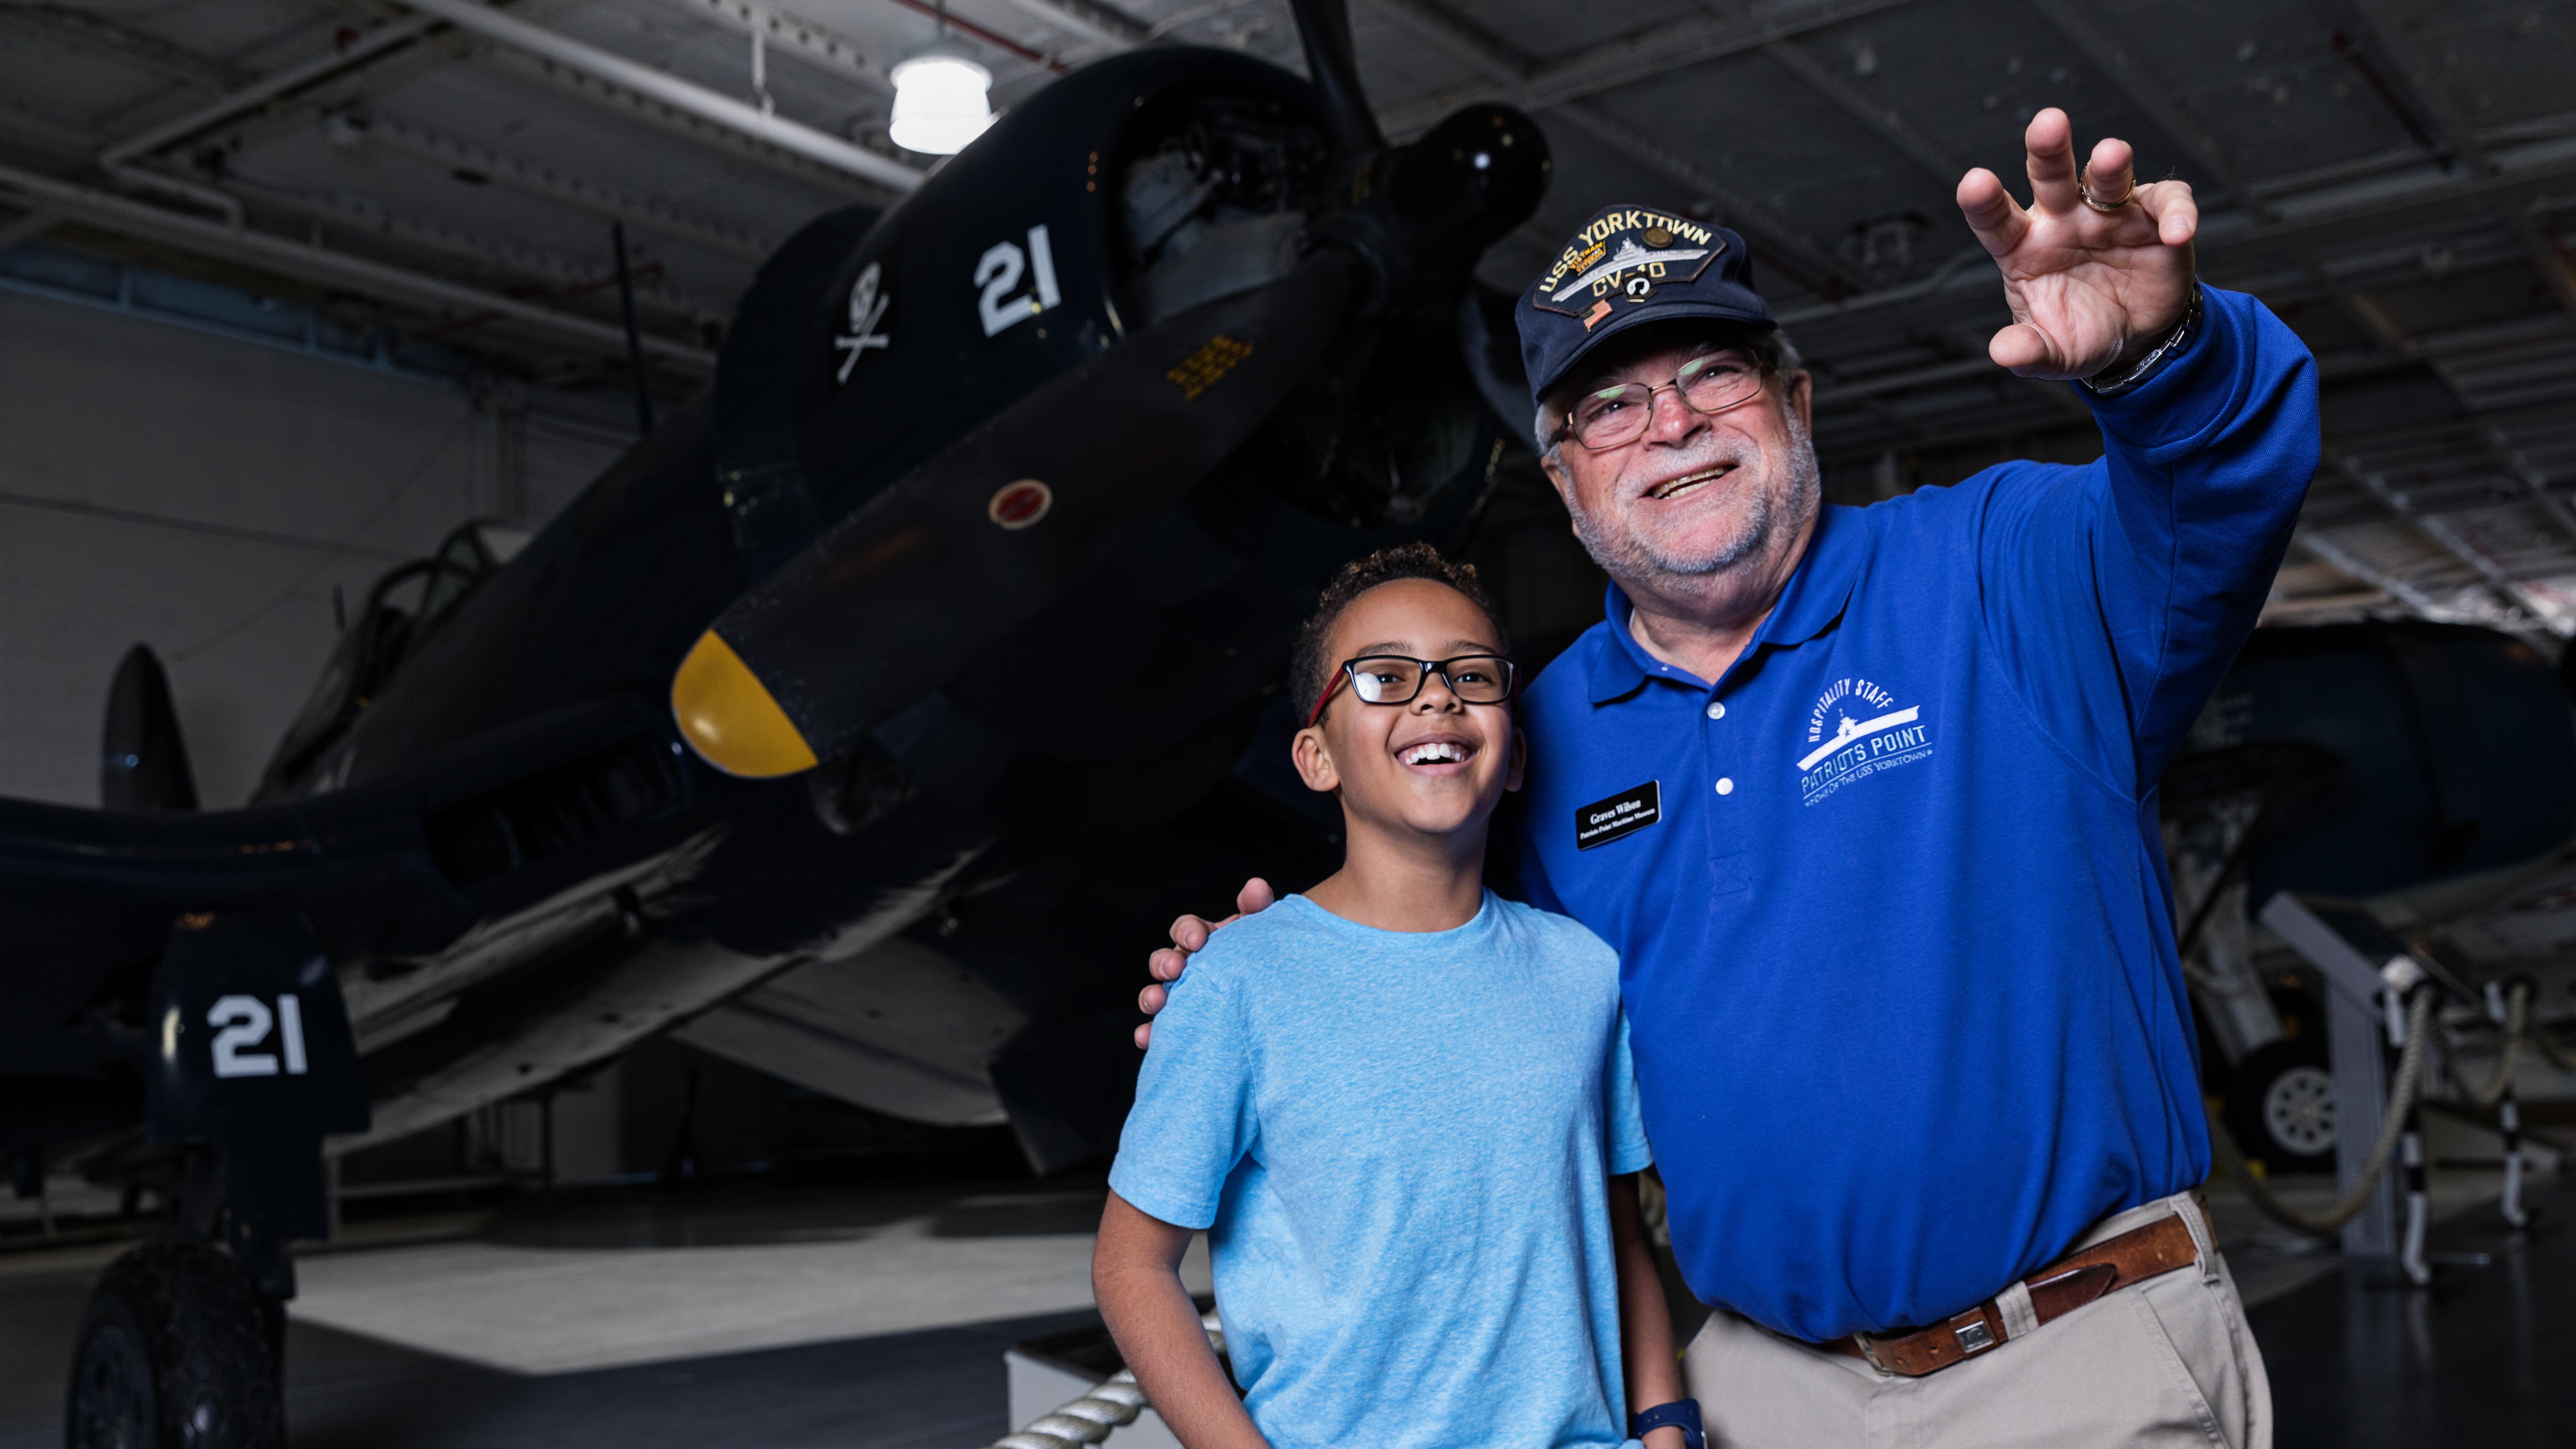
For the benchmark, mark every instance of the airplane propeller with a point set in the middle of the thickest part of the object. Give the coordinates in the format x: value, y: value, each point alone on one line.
x: 912, y: 586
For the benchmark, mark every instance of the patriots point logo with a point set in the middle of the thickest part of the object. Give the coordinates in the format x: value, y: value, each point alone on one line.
x: 1855, y: 731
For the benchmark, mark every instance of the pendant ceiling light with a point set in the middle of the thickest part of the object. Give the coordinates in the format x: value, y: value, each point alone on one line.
x: 940, y: 100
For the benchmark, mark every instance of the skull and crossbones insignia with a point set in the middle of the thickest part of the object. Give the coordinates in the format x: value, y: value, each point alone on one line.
x: 867, y: 308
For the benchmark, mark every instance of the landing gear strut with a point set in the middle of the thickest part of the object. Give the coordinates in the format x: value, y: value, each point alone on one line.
x: 183, y: 1343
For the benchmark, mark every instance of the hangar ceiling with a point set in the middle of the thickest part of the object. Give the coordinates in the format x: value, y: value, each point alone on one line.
x: 435, y: 182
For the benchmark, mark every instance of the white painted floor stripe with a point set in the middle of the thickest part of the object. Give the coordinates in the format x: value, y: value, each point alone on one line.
x: 563, y: 1310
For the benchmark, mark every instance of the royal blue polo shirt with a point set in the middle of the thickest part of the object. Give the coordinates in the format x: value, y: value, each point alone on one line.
x: 1889, y: 896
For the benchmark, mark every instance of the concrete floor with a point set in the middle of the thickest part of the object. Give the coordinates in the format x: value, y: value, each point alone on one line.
x: 736, y: 1314
x: 2360, y: 1360
x: 877, y: 1319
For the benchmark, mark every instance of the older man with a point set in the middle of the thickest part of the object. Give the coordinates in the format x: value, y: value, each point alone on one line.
x: 1866, y: 800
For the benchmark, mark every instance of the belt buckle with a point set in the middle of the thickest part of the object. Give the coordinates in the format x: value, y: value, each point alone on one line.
x: 1869, y: 1353
x: 1973, y: 1334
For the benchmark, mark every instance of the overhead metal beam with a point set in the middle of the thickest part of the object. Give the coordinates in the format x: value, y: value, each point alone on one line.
x: 2444, y: 535
x: 1100, y: 24
x: 380, y: 41
x: 87, y: 30
x: 565, y: 275
x: 642, y: 109
x: 537, y: 180
x: 2111, y: 58
x: 1640, y: 56
x: 2342, y: 560
x: 297, y: 260
x: 669, y: 90
x: 124, y: 160
x: 797, y: 36
x: 2457, y: 131
x: 1934, y: 373
x: 1960, y: 273
x: 2559, y: 163
x: 2107, y: 56
x: 1885, y: 123
x: 1798, y: 255
x: 2518, y: 466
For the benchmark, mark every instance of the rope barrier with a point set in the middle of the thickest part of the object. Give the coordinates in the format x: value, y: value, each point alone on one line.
x: 2520, y: 1031
x: 2550, y: 1051
x: 2517, y: 1026
x: 2401, y: 1101
x: 1113, y: 1403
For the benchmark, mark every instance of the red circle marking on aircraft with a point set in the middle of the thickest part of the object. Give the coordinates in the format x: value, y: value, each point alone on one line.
x: 1021, y: 504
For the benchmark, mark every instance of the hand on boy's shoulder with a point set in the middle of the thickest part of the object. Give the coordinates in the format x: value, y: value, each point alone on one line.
x: 1190, y: 935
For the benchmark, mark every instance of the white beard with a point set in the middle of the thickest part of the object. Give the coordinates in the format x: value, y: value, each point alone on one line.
x: 1635, y: 558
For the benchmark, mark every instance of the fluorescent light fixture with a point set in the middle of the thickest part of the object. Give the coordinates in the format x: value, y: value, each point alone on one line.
x: 940, y: 101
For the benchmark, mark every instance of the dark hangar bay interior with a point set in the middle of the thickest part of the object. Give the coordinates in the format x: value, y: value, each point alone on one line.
x: 417, y: 384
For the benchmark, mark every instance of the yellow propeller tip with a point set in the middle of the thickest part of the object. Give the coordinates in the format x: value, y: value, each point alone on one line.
x: 727, y: 715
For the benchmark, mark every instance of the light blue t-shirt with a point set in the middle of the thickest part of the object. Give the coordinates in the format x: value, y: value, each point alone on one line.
x: 1401, y: 1142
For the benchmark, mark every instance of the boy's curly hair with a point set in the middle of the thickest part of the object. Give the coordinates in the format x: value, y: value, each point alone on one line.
x: 1309, y: 672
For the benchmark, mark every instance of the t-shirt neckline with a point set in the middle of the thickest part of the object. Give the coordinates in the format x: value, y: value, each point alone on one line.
x: 1486, y: 906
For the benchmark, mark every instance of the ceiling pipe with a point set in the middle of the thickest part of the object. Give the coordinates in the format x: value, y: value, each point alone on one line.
x: 119, y: 161
x: 260, y: 92
x: 110, y: 212
x: 680, y: 95
x: 1100, y: 24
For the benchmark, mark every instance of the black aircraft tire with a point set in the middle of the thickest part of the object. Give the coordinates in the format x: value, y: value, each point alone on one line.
x: 177, y: 1350
x: 2280, y: 1106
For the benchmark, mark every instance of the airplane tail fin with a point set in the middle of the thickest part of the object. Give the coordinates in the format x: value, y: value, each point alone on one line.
x: 143, y: 762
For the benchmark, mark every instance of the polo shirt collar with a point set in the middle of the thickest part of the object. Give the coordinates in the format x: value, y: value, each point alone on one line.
x: 1814, y: 598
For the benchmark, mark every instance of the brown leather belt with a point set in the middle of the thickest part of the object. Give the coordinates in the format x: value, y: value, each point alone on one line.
x: 2055, y: 1291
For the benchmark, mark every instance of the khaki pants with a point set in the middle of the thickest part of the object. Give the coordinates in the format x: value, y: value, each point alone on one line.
x: 2167, y: 1362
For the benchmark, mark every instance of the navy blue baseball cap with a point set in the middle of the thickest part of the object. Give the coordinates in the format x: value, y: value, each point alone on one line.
x: 1629, y: 266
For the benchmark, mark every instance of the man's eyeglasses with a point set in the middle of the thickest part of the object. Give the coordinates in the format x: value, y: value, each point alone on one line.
x: 1616, y: 416
x: 1394, y: 679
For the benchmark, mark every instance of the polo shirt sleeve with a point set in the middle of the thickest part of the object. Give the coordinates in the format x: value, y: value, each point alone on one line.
x: 1626, y: 1149
x: 2117, y: 593
x: 1192, y: 1121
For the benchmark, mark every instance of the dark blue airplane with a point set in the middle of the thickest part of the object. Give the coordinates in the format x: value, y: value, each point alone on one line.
x: 955, y: 600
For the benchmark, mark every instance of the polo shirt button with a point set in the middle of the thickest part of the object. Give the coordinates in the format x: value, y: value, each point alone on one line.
x: 1716, y: 709
x: 1726, y: 787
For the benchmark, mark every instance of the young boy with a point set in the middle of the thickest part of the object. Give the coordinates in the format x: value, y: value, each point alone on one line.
x: 1403, y: 1104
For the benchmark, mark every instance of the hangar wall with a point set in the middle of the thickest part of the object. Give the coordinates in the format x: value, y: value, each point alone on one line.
x: 204, y: 493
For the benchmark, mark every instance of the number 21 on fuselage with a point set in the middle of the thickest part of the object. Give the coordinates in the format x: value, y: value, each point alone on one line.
x: 999, y: 273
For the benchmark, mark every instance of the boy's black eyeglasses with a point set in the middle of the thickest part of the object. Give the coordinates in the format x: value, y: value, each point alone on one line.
x: 1394, y: 679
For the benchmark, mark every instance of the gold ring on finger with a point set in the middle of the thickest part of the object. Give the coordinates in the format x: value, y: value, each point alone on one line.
x: 2084, y: 188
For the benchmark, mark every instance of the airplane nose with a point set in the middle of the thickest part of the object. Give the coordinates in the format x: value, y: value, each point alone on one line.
x: 729, y: 718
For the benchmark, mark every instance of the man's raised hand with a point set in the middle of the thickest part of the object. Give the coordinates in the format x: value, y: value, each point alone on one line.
x: 2089, y: 290
x: 1190, y: 934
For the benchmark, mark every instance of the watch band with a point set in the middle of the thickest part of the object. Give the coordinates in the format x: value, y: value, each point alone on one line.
x: 1682, y: 1414
x: 2173, y: 346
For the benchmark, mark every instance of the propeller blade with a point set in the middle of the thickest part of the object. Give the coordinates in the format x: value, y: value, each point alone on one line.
x: 889, y: 603
x: 1325, y: 28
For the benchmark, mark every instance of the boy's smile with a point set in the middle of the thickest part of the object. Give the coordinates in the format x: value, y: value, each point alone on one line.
x: 1439, y: 753
x: 1434, y: 766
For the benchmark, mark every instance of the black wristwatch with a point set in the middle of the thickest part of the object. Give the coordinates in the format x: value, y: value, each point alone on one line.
x: 2103, y: 385
x: 1682, y: 1414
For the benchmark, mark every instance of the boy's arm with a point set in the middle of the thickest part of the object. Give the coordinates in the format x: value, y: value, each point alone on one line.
x: 1645, y: 1325
x: 1135, y: 1273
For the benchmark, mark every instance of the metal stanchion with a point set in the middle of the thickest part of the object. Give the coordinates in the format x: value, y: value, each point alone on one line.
x: 2512, y: 1016
x: 2369, y: 977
